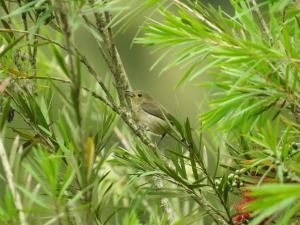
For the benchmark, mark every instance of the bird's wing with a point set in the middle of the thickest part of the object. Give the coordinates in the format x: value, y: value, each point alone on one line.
x: 155, y: 109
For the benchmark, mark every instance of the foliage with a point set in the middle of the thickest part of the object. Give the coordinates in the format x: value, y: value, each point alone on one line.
x: 252, y: 56
x: 79, y: 157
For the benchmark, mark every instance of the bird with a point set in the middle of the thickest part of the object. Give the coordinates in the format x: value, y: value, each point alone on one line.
x: 149, y: 113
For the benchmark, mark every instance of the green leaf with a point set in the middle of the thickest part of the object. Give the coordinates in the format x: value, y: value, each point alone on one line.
x: 4, y: 115
x: 11, y: 45
x: 61, y: 61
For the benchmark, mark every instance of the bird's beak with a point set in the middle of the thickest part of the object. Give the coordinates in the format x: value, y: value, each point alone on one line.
x: 128, y: 93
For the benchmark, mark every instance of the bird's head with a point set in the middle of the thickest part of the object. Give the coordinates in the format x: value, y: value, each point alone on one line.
x: 138, y: 97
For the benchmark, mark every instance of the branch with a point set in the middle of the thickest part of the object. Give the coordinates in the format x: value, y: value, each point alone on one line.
x: 115, y: 64
x: 121, y: 79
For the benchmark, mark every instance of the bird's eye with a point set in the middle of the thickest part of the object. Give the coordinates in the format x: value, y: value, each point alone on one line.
x: 140, y: 95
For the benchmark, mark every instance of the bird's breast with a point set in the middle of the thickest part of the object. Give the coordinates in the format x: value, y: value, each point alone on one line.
x: 152, y: 123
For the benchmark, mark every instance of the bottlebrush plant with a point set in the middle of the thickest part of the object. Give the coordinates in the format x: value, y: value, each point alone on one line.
x: 72, y: 151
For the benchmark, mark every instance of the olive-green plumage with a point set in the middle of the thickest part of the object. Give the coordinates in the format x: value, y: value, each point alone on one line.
x: 149, y: 112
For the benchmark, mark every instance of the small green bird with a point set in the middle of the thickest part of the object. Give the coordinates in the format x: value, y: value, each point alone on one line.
x: 151, y: 114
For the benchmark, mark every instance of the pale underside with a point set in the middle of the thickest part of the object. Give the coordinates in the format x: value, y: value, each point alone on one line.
x: 152, y: 123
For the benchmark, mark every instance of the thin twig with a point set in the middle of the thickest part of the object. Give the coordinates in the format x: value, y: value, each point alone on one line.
x: 35, y: 34
x: 93, y: 72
